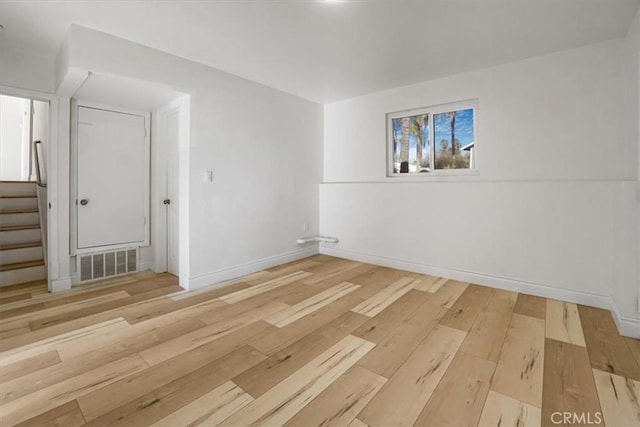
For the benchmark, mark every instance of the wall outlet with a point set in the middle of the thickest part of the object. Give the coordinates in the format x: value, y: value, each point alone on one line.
x: 305, y: 227
x: 208, y: 176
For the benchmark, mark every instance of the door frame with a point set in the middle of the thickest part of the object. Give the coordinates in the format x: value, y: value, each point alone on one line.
x: 73, y: 177
x: 159, y: 186
x: 159, y: 177
x: 57, y: 271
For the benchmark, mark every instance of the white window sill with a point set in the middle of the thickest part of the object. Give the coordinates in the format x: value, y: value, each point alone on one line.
x: 440, y: 175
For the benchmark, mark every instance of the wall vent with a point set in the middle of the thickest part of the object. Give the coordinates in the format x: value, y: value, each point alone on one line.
x: 107, y: 264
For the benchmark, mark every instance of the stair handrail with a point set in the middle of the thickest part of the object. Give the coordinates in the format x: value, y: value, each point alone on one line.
x: 38, y: 153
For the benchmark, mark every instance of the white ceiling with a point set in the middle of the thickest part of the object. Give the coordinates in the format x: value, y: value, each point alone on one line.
x: 327, y: 51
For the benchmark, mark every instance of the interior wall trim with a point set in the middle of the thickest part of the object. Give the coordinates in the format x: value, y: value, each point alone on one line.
x: 627, y: 326
x: 224, y: 275
x: 61, y: 284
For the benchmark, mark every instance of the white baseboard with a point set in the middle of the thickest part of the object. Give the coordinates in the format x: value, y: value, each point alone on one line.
x: 226, y: 274
x: 627, y: 326
x: 59, y: 285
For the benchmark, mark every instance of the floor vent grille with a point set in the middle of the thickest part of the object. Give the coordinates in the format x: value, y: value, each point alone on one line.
x: 107, y: 264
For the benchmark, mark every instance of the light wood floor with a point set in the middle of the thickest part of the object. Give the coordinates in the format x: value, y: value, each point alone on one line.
x: 318, y: 342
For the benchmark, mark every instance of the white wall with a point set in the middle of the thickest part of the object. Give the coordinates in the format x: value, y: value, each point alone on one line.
x: 552, y: 210
x: 264, y: 147
x: 21, y: 69
x: 635, y: 35
x: 632, y: 55
x: 632, y: 48
x: 14, y: 127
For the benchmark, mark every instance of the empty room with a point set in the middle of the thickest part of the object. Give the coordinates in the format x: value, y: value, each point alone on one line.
x: 320, y: 213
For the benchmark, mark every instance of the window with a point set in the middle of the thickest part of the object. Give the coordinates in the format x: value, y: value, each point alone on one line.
x: 432, y: 139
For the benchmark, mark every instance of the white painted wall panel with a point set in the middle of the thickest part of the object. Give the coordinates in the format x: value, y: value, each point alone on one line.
x: 554, y: 117
x: 553, y: 204
x: 263, y: 146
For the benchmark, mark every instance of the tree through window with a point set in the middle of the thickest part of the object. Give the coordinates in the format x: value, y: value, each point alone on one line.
x: 431, y: 139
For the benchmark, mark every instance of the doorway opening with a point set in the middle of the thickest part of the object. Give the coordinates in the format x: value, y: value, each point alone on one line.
x: 24, y: 126
x: 24, y: 136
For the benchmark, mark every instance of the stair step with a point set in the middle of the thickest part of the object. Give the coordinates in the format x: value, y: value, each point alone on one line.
x: 20, y: 236
x: 30, y: 286
x: 21, y: 250
x: 15, y: 255
x: 21, y: 275
x: 18, y: 203
x: 19, y: 227
x: 17, y: 188
x: 11, y: 246
x: 19, y: 219
x: 18, y: 211
x: 20, y: 265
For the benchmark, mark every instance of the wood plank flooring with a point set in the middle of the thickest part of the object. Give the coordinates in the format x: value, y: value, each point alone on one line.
x: 317, y: 342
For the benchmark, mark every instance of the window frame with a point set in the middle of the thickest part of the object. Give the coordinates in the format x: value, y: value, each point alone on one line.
x: 431, y: 111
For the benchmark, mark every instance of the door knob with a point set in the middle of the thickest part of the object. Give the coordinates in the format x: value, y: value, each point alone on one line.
x: 167, y: 201
x: 84, y: 202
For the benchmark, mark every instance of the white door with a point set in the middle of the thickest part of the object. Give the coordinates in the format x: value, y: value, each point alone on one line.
x: 173, y: 127
x: 113, y: 178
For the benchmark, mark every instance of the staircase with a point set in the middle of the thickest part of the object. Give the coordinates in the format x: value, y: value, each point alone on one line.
x: 21, y: 251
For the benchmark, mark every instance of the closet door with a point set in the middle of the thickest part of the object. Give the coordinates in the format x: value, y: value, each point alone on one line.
x: 112, y: 180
